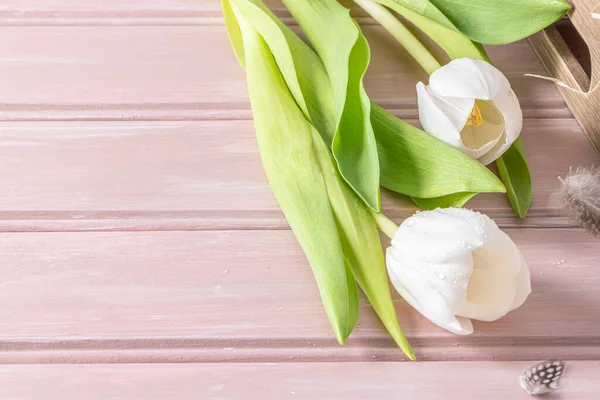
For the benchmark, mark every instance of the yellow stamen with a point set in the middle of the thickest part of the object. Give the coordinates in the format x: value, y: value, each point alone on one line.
x: 475, y: 118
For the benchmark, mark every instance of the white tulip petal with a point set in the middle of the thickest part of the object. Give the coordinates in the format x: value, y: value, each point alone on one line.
x: 523, y: 289
x: 455, y: 109
x: 440, y: 236
x: 446, y: 105
x: 483, y: 137
x: 490, y: 292
x: 454, y: 264
x: 418, y: 291
x: 492, y: 287
x: 495, y: 152
x: 468, y: 78
x: 435, y: 122
x: 508, y: 104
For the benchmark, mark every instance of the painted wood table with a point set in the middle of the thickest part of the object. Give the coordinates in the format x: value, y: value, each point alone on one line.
x: 143, y: 255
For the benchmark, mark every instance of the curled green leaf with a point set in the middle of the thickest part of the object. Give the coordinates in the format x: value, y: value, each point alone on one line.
x: 338, y: 41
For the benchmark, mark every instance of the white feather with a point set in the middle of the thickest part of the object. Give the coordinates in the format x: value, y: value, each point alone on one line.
x: 579, y: 196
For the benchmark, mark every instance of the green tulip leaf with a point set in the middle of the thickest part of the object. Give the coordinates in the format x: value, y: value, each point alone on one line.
x: 501, y: 21
x: 434, y: 24
x: 301, y: 68
x: 514, y: 172
x: 419, y: 165
x: 483, y: 21
x: 451, y: 200
x: 361, y: 244
x: 346, y: 59
x: 285, y: 139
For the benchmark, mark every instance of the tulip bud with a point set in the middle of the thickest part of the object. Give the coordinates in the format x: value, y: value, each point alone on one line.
x: 454, y: 264
x: 470, y: 105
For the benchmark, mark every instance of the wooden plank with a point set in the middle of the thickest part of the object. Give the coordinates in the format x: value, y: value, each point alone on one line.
x: 23, y: 7
x: 204, y: 166
x: 161, y: 73
x: 323, y: 381
x: 249, y: 295
x: 561, y: 63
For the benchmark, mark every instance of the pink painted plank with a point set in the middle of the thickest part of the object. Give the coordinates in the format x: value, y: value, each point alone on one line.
x: 202, y: 166
x: 191, y: 69
x: 20, y: 7
x: 250, y: 295
x: 323, y: 381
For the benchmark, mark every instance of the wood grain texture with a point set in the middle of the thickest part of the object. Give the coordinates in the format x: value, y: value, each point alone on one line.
x: 189, y: 72
x: 239, y: 295
x: 206, y: 166
x: 19, y: 7
x: 143, y: 254
x: 323, y: 381
x: 560, y: 63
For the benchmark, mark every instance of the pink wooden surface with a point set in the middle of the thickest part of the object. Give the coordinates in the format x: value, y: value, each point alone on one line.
x: 203, y: 166
x: 137, y: 227
x: 305, y: 381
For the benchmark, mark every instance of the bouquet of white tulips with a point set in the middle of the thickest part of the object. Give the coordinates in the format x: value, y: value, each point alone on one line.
x: 327, y: 149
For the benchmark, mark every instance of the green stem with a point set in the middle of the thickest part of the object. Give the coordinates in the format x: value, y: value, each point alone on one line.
x: 385, y: 224
x: 401, y: 33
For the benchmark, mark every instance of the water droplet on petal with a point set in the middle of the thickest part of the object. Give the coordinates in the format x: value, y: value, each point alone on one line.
x: 469, y: 247
x: 410, y: 222
x: 485, y: 236
x: 442, y: 276
x: 464, y: 242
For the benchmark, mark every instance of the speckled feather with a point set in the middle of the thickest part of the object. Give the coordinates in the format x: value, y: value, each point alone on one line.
x: 579, y: 196
x: 543, y: 377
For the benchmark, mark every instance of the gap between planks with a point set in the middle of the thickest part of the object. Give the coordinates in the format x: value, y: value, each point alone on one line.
x: 222, y: 220
x: 197, y: 112
x: 144, y: 18
x: 119, y: 351
x: 75, y: 19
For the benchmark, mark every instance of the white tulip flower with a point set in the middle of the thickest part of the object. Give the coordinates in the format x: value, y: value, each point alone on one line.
x: 455, y: 264
x: 470, y: 105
